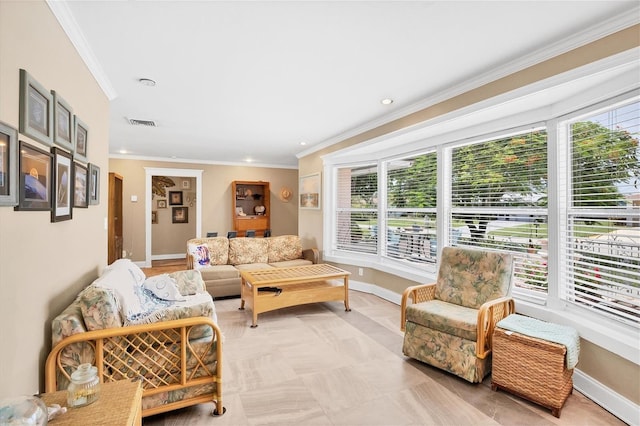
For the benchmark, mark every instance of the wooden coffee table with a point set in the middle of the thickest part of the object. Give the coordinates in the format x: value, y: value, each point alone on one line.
x: 299, y: 285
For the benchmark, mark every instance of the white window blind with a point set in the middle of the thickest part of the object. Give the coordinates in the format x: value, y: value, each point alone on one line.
x: 411, y: 208
x: 603, y: 235
x: 357, y: 208
x: 499, y: 201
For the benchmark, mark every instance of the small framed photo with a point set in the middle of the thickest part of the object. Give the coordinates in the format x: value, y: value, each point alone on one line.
x: 80, y: 186
x: 62, y: 188
x: 162, y: 204
x: 8, y: 165
x: 63, y: 122
x: 175, y: 198
x: 180, y: 215
x: 80, y: 139
x: 36, y: 109
x: 154, y: 217
x: 186, y: 184
x: 310, y: 192
x: 35, y: 178
x: 94, y: 184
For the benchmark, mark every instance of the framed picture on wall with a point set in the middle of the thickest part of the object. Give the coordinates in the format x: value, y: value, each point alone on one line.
x: 180, y: 215
x: 36, y: 109
x: 62, y: 122
x: 310, y: 192
x: 80, y: 186
x: 94, y: 184
x: 8, y: 165
x: 62, y: 188
x: 162, y: 204
x: 175, y: 198
x: 35, y: 178
x: 154, y: 217
x: 80, y: 139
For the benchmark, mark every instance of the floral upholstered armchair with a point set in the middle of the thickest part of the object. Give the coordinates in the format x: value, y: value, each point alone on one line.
x: 449, y: 324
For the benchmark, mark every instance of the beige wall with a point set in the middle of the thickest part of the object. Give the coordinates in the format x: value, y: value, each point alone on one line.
x: 43, y: 265
x: 216, y: 199
x: 621, y: 376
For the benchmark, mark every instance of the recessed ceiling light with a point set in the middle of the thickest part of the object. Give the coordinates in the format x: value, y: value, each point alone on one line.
x: 386, y: 101
x: 147, y: 82
x: 303, y: 143
x: 123, y: 151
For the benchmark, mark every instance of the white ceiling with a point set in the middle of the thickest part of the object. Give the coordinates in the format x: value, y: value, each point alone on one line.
x: 250, y: 81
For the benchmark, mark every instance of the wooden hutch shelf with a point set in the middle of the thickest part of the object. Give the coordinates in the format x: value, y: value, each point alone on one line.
x: 248, y: 198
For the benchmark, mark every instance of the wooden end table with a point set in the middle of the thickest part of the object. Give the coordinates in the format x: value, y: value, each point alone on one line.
x: 299, y: 285
x: 120, y: 403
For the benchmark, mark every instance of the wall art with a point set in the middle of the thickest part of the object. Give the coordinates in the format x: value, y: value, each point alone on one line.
x: 175, y: 198
x: 35, y: 178
x: 80, y: 186
x: 94, y: 184
x: 36, y: 109
x: 180, y: 215
x: 62, y: 122
x: 62, y: 188
x: 80, y: 139
x: 310, y: 192
x: 8, y: 165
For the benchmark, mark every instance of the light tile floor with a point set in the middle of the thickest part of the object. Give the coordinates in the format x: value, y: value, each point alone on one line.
x: 319, y: 365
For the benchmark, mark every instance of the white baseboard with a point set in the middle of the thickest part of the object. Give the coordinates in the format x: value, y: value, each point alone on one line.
x: 168, y: 256
x: 610, y: 400
x: 383, y: 293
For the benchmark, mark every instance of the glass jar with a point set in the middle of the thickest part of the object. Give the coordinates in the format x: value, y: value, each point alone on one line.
x: 84, y: 387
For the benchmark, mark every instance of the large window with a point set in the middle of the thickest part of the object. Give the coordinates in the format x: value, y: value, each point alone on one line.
x: 356, y: 208
x: 411, y: 208
x: 499, y: 198
x: 603, y: 232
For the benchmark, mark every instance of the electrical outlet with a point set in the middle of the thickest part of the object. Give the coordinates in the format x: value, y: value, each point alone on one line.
x: 360, y: 271
x: 124, y: 254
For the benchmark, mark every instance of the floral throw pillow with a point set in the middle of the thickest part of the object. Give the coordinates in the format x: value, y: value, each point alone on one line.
x: 200, y: 255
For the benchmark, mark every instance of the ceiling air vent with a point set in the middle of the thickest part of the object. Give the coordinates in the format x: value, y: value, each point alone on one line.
x: 136, y: 122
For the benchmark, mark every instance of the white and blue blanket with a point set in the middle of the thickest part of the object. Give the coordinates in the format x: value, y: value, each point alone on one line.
x: 556, y: 333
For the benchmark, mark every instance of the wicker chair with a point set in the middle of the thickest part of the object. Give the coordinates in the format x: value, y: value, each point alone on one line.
x: 449, y: 324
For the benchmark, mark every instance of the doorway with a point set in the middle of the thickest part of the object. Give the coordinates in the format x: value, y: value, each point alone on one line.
x: 169, y: 172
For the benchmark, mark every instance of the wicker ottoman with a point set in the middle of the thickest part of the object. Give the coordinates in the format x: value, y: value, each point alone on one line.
x: 531, y: 368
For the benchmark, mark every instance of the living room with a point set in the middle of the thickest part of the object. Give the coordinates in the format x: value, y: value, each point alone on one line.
x: 64, y: 257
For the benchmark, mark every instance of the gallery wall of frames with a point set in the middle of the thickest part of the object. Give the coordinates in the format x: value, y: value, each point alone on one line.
x: 58, y: 178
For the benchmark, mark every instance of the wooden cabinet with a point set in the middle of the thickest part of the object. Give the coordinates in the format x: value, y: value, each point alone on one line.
x: 250, y: 206
x: 115, y: 242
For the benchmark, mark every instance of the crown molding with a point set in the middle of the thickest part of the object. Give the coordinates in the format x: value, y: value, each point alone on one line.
x: 589, y: 35
x: 70, y: 26
x: 190, y: 161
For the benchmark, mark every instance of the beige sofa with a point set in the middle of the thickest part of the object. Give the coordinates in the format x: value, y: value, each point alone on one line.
x: 220, y: 259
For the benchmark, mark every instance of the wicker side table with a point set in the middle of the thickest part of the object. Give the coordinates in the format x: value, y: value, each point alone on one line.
x: 531, y: 368
x: 120, y: 403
